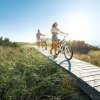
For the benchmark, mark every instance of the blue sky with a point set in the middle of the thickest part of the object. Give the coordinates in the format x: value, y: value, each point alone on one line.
x: 20, y: 19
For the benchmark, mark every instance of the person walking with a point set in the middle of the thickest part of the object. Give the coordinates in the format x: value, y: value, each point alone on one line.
x: 55, y: 43
x: 38, y: 36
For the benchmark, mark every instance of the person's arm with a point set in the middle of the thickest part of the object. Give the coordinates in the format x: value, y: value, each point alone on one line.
x: 42, y: 34
x: 61, y: 32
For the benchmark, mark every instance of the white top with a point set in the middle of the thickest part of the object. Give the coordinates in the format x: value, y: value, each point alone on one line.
x: 56, y: 30
x: 38, y: 35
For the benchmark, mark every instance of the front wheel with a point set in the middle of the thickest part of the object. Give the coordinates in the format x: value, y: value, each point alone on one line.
x: 68, y: 52
x: 43, y: 44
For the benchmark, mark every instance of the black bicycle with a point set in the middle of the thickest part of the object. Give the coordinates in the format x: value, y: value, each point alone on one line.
x: 65, y: 48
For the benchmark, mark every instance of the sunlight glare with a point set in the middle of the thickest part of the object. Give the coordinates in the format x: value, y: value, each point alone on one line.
x: 78, y: 24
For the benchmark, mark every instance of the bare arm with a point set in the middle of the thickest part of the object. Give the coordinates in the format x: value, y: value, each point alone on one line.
x: 42, y: 35
x: 62, y: 32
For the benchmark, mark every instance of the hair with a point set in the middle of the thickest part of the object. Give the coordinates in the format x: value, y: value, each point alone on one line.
x: 38, y: 30
x: 54, y: 24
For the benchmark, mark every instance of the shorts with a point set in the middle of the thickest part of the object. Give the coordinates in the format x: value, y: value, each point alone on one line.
x: 54, y: 38
x: 38, y: 40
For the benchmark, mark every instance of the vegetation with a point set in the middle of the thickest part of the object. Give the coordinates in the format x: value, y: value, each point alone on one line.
x: 6, y: 42
x: 86, y: 52
x: 25, y: 74
x: 92, y: 57
x: 82, y: 47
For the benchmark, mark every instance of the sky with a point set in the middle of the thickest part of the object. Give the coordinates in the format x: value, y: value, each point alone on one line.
x: 20, y: 19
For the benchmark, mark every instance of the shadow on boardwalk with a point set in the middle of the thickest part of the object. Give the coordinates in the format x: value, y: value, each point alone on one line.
x: 67, y: 65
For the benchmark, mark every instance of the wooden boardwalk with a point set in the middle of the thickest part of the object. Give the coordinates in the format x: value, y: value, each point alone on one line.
x: 86, y: 76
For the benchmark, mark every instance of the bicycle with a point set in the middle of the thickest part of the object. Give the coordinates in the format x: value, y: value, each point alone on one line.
x: 65, y: 48
x: 43, y: 43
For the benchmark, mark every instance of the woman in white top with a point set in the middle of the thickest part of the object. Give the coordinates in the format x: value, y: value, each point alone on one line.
x: 55, y: 31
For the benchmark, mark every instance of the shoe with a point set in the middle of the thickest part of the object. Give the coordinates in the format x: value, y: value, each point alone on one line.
x: 55, y: 56
x: 50, y: 52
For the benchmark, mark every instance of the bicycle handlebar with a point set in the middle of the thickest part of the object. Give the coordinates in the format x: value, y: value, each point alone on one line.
x: 64, y: 35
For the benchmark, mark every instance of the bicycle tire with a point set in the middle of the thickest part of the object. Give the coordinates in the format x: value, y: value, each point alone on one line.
x: 43, y: 45
x: 68, y: 52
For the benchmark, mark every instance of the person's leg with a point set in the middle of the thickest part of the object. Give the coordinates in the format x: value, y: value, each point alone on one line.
x: 52, y: 47
x: 54, y: 43
x: 55, y: 46
x: 58, y: 44
x: 39, y: 44
x: 42, y: 44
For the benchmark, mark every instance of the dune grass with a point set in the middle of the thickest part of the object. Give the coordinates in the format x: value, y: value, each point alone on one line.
x: 25, y: 74
x: 92, y: 57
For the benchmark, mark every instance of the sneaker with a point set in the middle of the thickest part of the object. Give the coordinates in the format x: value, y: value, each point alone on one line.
x: 55, y: 56
x: 50, y: 52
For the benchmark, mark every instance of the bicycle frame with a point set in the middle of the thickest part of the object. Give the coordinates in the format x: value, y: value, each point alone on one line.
x: 62, y: 42
x: 43, y: 43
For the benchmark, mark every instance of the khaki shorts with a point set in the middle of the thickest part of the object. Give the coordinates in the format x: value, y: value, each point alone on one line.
x: 38, y: 40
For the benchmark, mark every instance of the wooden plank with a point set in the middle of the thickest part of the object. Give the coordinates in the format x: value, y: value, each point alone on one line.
x: 86, y: 76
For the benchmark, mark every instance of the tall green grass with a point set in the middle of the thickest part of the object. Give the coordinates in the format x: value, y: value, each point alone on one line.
x: 25, y: 74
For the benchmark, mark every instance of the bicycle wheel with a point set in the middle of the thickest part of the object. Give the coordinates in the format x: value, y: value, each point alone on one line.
x: 43, y: 44
x: 68, y: 52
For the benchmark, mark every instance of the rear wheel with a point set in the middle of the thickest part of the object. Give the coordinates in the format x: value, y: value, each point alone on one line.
x: 68, y: 52
x: 43, y: 44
